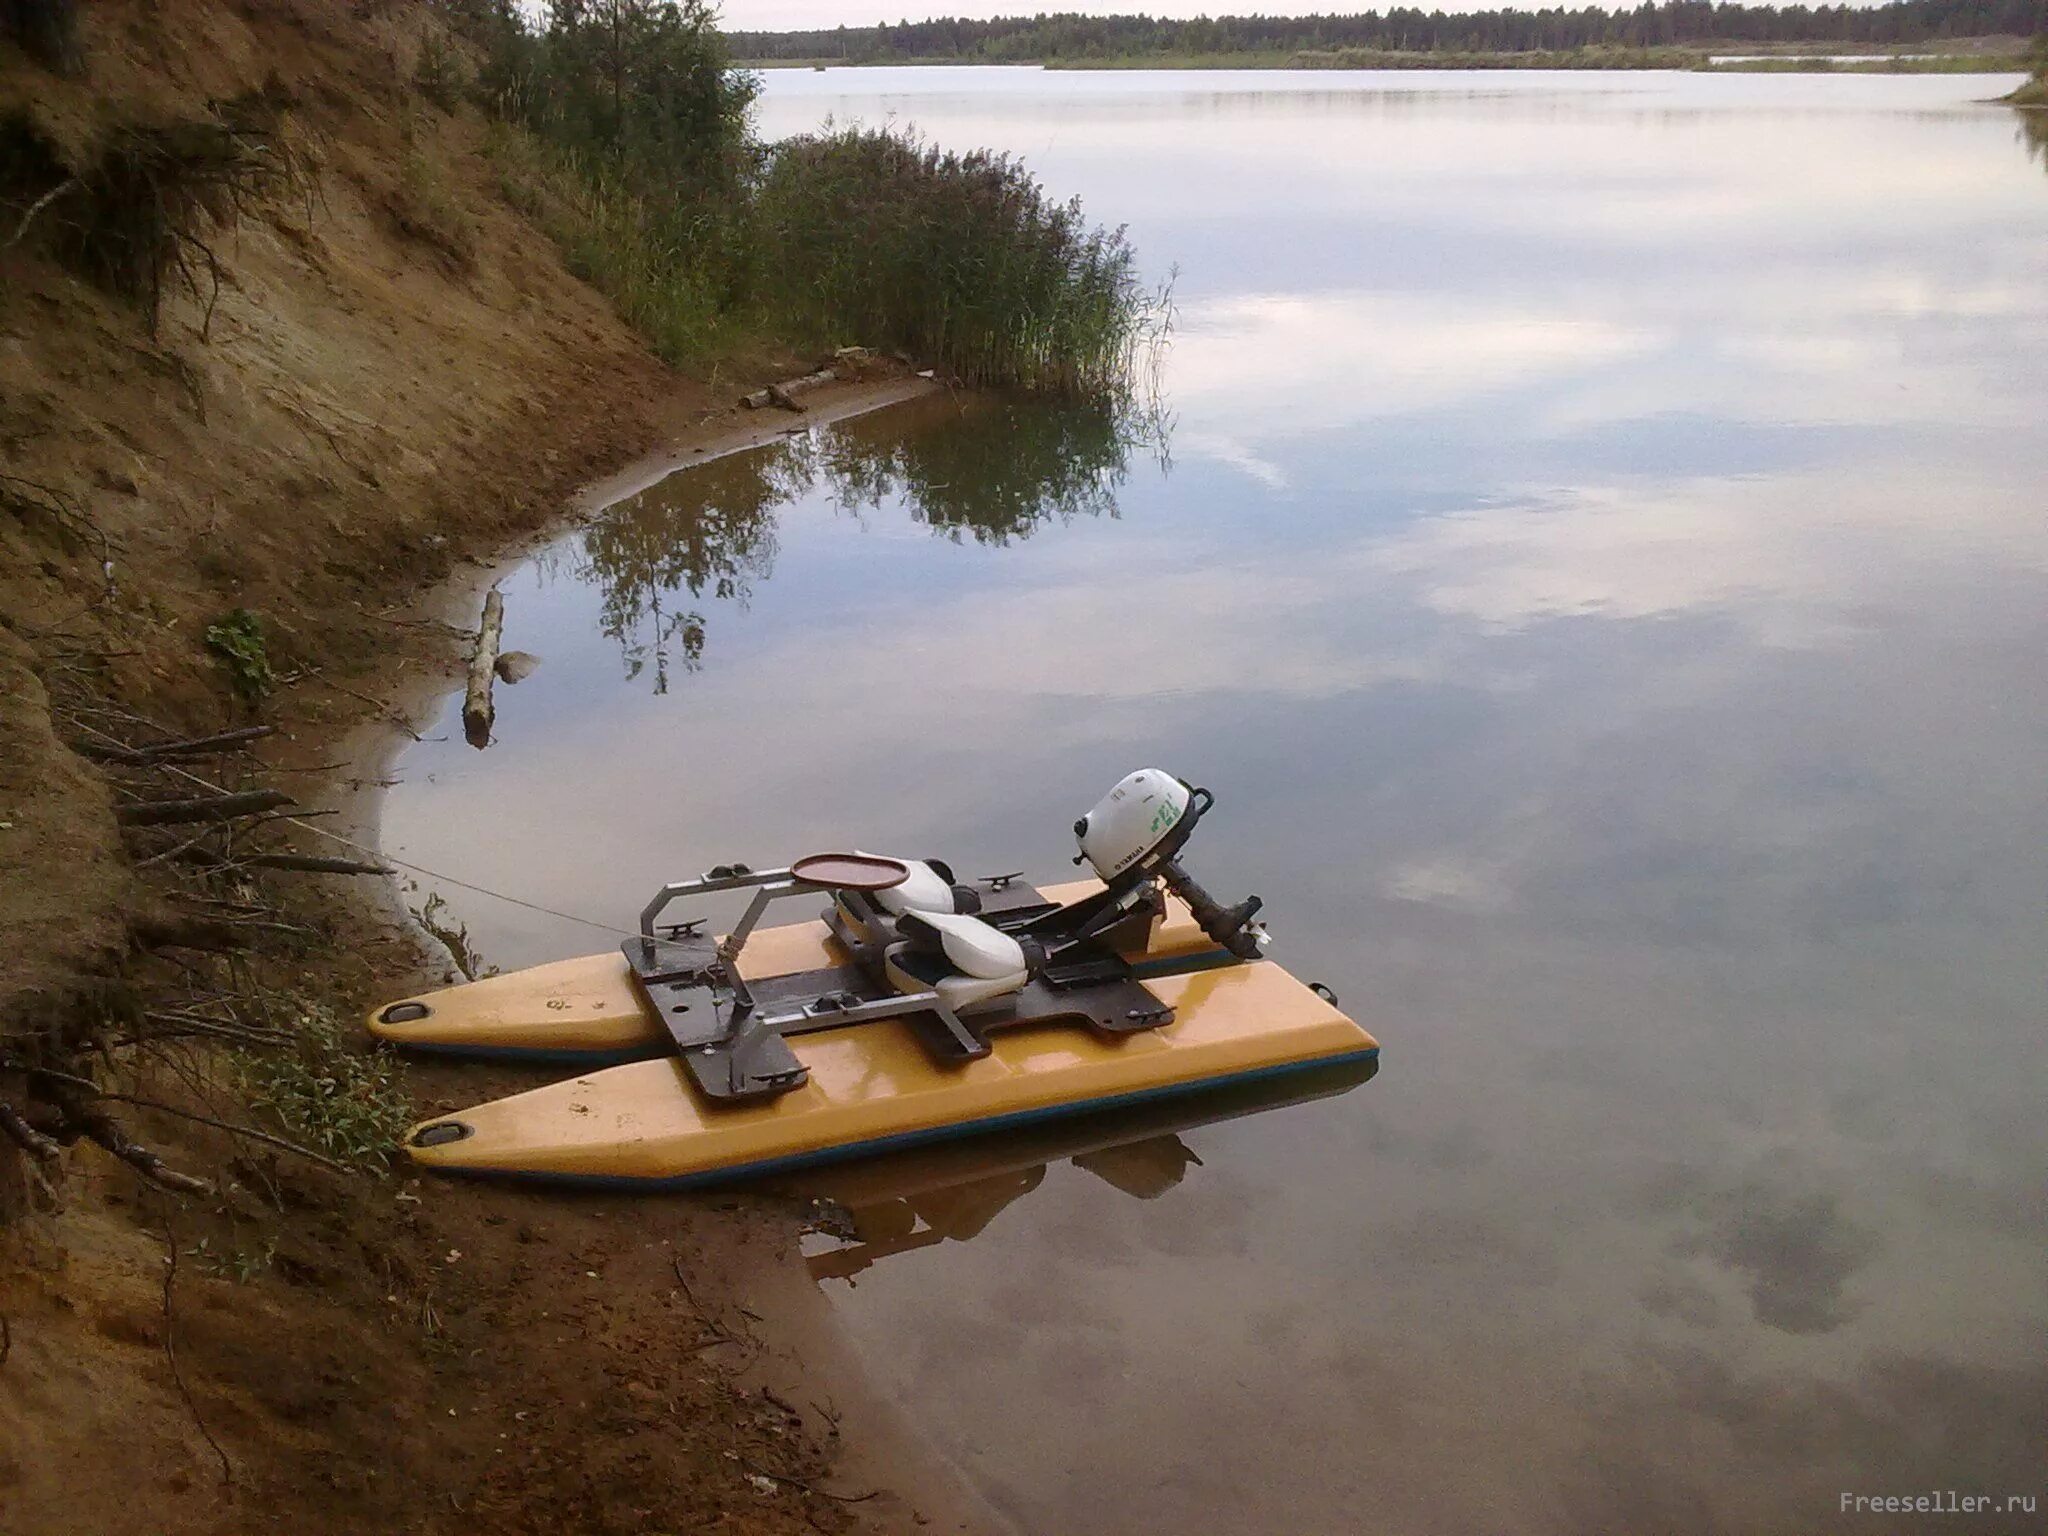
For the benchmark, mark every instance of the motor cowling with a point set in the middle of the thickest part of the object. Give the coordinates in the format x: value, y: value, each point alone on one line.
x: 1137, y: 830
x: 1133, y: 820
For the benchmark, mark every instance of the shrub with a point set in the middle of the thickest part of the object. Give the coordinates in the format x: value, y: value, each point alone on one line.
x: 422, y: 209
x: 652, y: 257
x: 340, y: 1100
x: 237, y: 643
x: 440, y: 73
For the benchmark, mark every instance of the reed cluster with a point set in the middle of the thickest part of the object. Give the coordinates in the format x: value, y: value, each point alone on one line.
x: 623, y: 130
x: 963, y: 260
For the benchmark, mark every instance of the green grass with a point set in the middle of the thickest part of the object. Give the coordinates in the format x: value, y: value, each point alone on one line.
x: 340, y: 1100
x: 646, y: 255
x: 237, y: 644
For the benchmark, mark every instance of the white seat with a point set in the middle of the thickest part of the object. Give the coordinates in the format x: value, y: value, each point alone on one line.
x: 984, y: 962
x: 924, y: 889
x: 974, y: 946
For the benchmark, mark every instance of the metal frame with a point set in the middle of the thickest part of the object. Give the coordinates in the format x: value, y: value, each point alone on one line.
x: 745, y: 1030
x: 734, y: 1047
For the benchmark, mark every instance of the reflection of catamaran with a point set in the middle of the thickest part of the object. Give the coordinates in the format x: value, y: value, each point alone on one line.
x: 975, y: 1008
x: 904, y: 1201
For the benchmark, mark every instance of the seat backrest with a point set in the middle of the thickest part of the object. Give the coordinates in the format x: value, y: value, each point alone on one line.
x: 973, y: 946
x: 922, y: 890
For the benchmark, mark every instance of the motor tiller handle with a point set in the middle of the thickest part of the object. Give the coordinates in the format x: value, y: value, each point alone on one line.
x: 1228, y: 926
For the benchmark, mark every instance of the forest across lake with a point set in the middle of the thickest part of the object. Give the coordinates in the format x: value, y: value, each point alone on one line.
x: 1674, y: 34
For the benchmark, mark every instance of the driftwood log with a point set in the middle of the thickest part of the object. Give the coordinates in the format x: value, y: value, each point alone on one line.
x: 785, y: 394
x: 478, y: 709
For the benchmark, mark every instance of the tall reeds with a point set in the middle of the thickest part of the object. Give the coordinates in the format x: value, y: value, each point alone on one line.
x: 625, y: 134
x: 875, y: 236
x: 661, y: 263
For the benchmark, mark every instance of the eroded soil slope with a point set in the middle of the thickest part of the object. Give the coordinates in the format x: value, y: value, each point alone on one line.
x: 362, y: 370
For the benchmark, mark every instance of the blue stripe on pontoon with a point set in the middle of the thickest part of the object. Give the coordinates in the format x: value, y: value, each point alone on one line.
x: 900, y: 1141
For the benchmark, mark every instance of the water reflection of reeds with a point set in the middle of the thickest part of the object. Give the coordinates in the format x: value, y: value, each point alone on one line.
x: 2033, y: 133
x: 992, y: 469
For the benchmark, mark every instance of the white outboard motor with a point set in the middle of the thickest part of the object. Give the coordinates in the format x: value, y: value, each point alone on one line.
x: 1132, y: 820
x: 1137, y: 830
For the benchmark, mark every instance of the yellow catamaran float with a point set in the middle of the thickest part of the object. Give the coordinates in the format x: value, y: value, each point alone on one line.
x: 916, y: 1008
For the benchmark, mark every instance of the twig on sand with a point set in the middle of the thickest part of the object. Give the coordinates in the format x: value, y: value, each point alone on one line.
x: 386, y: 710
x: 808, y: 1487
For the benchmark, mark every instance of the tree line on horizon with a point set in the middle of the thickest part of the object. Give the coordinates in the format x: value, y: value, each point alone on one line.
x: 1671, y: 23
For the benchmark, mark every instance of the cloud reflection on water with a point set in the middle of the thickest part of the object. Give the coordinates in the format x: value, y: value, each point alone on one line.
x: 1604, y: 577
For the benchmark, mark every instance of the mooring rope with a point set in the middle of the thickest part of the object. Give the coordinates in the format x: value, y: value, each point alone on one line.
x: 467, y: 885
x: 382, y: 857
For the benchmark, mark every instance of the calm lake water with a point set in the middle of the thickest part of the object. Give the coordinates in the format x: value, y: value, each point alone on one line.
x: 1601, y: 566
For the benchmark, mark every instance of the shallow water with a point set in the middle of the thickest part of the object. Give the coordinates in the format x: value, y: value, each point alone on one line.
x: 1602, y: 569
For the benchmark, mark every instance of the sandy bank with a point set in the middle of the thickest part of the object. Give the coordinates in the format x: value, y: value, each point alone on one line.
x: 395, y: 386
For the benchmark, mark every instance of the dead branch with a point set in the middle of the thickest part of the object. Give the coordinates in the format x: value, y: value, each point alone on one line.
x: 227, y: 1470
x: 306, y: 862
x: 797, y: 1482
x: 32, y: 498
x: 478, y: 710
x: 197, y: 746
x: 69, y: 184
x: 317, y: 865
x: 172, y: 1022
x: 99, y: 1126
x: 32, y: 1141
x: 177, y: 850
x: 784, y: 394
x: 156, y: 813
x: 179, y: 932
x: 89, y: 1086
